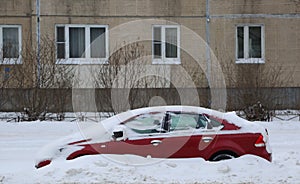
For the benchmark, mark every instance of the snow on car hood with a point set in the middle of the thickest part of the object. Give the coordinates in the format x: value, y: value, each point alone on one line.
x: 95, y: 133
x: 102, y: 131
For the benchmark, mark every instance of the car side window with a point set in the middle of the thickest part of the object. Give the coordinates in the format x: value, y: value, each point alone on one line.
x: 183, y: 121
x: 215, y: 123
x: 162, y: 122
x: 145, y: 123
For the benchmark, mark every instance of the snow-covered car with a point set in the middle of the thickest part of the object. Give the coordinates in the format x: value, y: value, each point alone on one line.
x: 165, y: 132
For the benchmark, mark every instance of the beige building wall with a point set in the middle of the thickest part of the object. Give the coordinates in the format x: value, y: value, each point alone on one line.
x: 124, y: 8
x: 282, y: 40
x: 18, y: 12
x: 132, y: 20
x: 275, y: 7
x: 281, y: 20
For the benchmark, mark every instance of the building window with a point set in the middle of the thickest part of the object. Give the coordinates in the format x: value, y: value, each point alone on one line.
x: 10, y: 44
x: 166, y: 44
x: 250, y: 44
x: 81, y: 44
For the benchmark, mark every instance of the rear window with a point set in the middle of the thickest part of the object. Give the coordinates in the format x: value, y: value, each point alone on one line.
x: 222, y: 122
x: 214, y: 122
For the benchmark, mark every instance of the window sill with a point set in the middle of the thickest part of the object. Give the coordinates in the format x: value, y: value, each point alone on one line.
x: 11, y: 61
x: 82, y: 61
x: 250, y: 61
x: 166, y: 62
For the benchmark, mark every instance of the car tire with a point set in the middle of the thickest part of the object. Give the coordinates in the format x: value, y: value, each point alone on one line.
x: 223, y: 156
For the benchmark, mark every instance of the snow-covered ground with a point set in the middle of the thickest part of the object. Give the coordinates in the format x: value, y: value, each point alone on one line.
x: 19, y: 143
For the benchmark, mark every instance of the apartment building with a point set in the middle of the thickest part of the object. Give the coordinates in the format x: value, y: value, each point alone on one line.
x: 192, y: 40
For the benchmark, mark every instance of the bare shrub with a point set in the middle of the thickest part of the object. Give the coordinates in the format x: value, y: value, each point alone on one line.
x: 36, y: 77
x: 252, y: 83
x: 123, y: 72
x: 4, y: 82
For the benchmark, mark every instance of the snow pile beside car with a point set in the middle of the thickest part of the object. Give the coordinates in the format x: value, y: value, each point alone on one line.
x: 20, y: 141
x: 135, y: 169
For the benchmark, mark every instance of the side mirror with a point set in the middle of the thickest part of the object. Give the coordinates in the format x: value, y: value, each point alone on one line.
x: 119, y: 133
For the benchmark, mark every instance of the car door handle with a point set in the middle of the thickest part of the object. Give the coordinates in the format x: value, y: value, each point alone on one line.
x: 155, y: 142
x: 207, y: 139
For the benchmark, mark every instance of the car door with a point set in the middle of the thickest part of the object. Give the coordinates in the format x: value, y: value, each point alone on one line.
x: 143, y: 133
x: 190, y: 135
x: 176, y: 136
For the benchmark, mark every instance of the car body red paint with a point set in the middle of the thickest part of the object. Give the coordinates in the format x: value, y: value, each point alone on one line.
x: 185, y: 147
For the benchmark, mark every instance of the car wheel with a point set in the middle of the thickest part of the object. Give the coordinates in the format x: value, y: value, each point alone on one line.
x: 223, y: 156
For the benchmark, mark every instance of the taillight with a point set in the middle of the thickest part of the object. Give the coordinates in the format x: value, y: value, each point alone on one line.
x: 260, y: 142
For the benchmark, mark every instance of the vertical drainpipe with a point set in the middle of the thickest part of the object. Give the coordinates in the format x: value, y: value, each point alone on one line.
x: 38, y: 42
x: 208, y: 56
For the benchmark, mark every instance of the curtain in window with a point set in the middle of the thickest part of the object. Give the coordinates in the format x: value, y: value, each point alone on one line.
x: 171, y: 42
x: 10, y: 43
x: 77, y: 42
x: 255, y: 42
x: 97, y: 45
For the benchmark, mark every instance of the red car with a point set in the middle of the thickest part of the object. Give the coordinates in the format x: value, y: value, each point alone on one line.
x: 166, y: 132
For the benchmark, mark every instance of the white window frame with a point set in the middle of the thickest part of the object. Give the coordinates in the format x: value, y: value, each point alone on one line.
x: 163, y: 59
x: 11, y: 60
x: 246, y: 58
x: 87, y: 59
